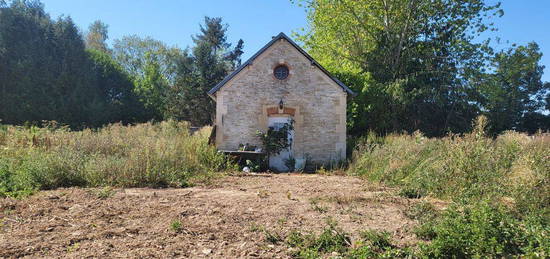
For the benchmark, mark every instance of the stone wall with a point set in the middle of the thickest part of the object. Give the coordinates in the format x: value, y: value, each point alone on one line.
x: 318, y: 105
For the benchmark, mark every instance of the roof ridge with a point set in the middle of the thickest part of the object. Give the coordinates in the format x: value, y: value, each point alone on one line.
x: 274, y: 39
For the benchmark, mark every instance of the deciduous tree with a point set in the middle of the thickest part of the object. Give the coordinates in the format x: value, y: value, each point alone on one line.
x: 416, y: 58
x: 514, y: 94
x: 97, y: 36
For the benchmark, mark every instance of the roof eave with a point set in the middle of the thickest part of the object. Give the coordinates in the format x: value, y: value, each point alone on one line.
x: 281, y: 35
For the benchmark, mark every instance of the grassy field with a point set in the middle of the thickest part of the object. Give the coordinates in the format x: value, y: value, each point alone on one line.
x: 499, y: 189
x: 144, y: 155
x: 496, y: 189
x: 513, y: 168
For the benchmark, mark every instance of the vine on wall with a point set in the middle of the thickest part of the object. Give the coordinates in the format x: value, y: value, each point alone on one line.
x: 276, y: 140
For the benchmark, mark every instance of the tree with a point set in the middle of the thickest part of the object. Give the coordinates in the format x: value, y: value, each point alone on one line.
x: 514, y: 95
x: 97, y: 36
x: 46, y: 73
x: 118, y: 102
x: 213, y: 34
x: 131, y: 52
x: 235, y: 55
x: 152, y: 88
x: 152, y: 65
x: 418, y: 57
x: 210, y: 60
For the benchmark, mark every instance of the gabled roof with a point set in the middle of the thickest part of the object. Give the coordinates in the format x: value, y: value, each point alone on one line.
x: 275, y: 39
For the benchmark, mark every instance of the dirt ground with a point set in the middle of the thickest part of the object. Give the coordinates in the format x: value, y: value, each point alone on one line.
x: 226, y: 220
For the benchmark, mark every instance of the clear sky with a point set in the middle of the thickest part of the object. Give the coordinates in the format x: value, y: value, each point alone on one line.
x: 255, y: 21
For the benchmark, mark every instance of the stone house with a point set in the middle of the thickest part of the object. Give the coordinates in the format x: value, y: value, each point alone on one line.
x: 281, y: 82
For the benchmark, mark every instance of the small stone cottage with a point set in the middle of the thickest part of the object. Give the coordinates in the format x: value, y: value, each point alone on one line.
x: 278, y: 84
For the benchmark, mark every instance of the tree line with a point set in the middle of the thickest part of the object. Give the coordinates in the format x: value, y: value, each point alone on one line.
x: 422, y: 65
x: 49, y: 70
x: 427, y: 65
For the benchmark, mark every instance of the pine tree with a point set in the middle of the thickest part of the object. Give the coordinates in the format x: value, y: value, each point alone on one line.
x: 210, y: 60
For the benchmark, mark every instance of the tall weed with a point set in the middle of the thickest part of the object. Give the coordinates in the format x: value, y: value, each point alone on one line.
x: 513, y: 167
x: 144, y: 155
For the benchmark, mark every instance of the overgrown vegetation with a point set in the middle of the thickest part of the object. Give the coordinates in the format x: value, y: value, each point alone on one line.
x: 144, y: 155
x: 427, y: 65
x: 415, y: 65
x: 500, y: 189
x: 276, y: 140
x: 483, y: 230
x: 472, y: 167
x: 335, y: 242
x: 480, y: 231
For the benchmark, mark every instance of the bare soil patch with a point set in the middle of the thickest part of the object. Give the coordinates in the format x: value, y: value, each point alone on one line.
x: 223, y: 221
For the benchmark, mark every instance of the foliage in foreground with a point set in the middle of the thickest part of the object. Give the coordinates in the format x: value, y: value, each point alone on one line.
x: 482, y: 230
x: 372, y: 244
x: 144, y: 155
x: 499, y: 188
x: 334, y: 241
x: 477, y: 231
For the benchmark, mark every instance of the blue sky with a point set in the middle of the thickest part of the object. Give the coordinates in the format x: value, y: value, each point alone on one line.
x: 255, y: 21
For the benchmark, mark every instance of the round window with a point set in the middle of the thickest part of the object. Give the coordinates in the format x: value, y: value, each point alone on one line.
x: 281, y: 72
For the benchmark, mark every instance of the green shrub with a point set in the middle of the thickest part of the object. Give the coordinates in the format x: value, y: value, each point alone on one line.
x: 144, y: 155
x: 295, y: 239
x: 104, y: 192
x: 422, y: 211
x: 332, y: 239
x: 378, y: 240
x: 500, y: 188
x: 373, y: 244
x: 484, y: 230
x: 12, y: 184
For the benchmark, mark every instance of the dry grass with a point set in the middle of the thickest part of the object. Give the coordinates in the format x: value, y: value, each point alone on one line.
x: 513, y: 166
x: 498, y: 188
x: 152, y: 155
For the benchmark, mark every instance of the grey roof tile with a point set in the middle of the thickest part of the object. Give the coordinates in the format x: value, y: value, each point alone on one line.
x: 264, y: 48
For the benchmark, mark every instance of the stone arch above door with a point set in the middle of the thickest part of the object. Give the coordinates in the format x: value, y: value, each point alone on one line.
x: 286, y: 110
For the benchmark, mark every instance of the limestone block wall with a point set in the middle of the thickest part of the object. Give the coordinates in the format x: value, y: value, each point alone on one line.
x: 317, y: 102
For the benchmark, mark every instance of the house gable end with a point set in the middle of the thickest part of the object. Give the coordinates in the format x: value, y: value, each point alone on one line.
x: 262, y: 50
